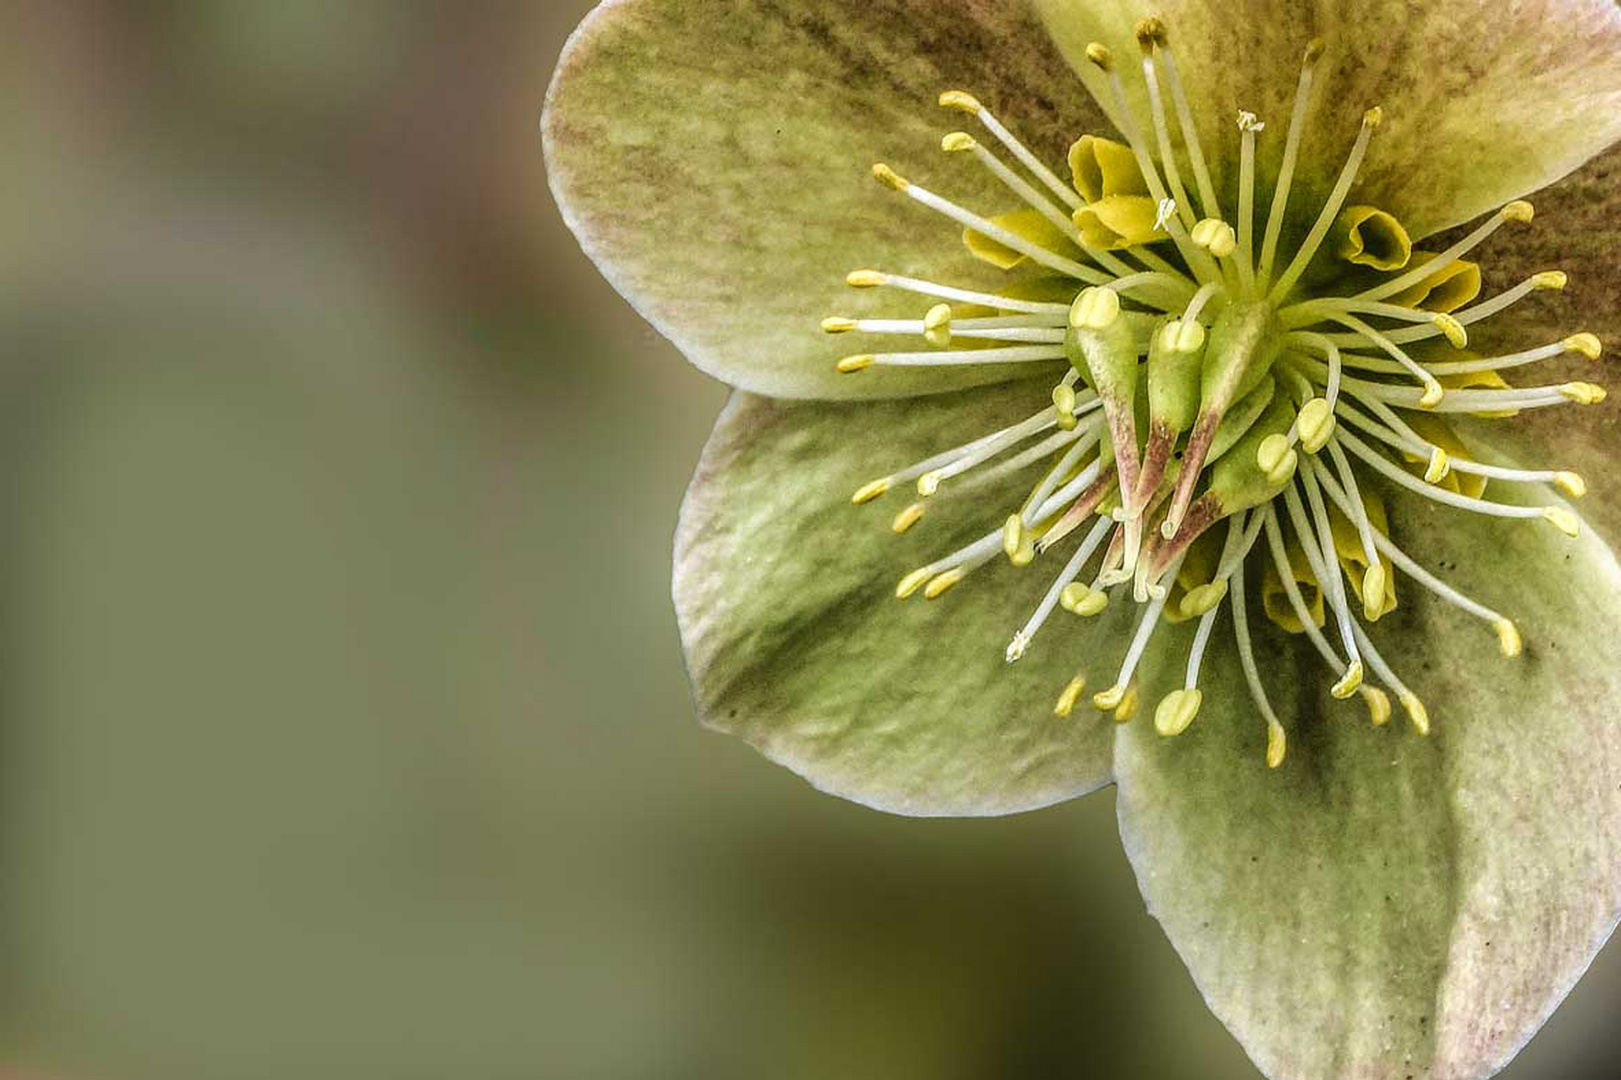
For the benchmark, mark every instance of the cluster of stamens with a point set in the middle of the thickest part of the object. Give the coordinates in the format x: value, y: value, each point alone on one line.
x: 1269, y: 384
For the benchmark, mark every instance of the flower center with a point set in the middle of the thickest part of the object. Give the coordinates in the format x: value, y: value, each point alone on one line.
x: 1218, y: 388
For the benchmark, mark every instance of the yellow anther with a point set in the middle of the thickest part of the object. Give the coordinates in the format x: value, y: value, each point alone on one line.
x: 1372, y: 117
x: 1277, y: 458
x: 961, y: 99
x: 1452, y: 328
x: 851, y: 364
x: 1439, y: 467
x: 867, y: 492
x: 1079, y: 599
x: 1127, y: 708
x: 1215, y: 235
x: 937, y: 325
x: 1064, y: 398
x: 929, y: 483
x: 1519, y: 211
x: 1026, y: 553
x: 958, y: 142
x: 1183, y: 337
x: 866, y: 279
x: 889, y: 177
x: 912, y: 582
x: 1584, y: 393
x: 1095, y: 309
x: 1151, y: 32
x: 941, y: 583
x: 1571, y: 484
x: 1563, y: 520
x: 1432, y: 395
x: 1100, y: 55
x: 1012, y: 535
x: 1350, y: 682
x: 838, y: 324
x: 1416, y: 712
x: 1373, y: 591
x: 1508, y: 638
x: 1177, y: 711
x: 1110, y: 699
x: 907, y: 518
x: 1550, y: 279
x: 1378, y: 703
x: 1277, y: 744
x: 1071, y: 695
x: 1316, y: 424
x: 1200, y: 600
x: 1586, y: 344
x: 1314, y: 51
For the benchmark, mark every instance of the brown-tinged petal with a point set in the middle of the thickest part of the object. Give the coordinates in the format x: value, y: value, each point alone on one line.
x: 1482, y: 101
x: 712, y: 156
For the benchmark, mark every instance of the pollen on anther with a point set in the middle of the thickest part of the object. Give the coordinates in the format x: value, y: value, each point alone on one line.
x: 1378, y: 703
x: 1416, y: 712
x: 1550, y: 279
x: 866, y: 493
x: 1519, y: 211
x: 865, y: 279
x: 1508, y: 637
x: 1570, y: 483
x: 1100, y: 55
x: 907, y: 518
x: 852, y: 364
x: 1071, y: 695
x: 1587, y: 345
x: 960, y: 99
x: 889, y: 177
x: 958, y: 142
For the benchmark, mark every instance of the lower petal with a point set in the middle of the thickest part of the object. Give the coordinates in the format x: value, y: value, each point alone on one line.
x: 796, y: 641
x: 1388, y: 905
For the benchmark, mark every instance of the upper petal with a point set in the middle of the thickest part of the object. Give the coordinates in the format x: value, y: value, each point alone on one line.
x: 712, y: 157
x: 1384, y: 904
x: 1483, y: 101
x: 795, y: 639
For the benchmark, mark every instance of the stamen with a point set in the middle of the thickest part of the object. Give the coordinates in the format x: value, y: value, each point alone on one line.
x: 1373, y: 581
x: 1508, y: 636
x: 1291, y: 589
x: 969, y: 220
x: 1071, y: 695
x: 1276, y: 740
x: 978, y: 553
x: 1286, y: 171
x: 1021, y: 354
x: 1331, y: 209
x: 1112, y: 697
x: 1162, y: 132
x: 870, y: 279
x: 1433, y: 390
x: 1416, y: 712
x: 1197, y: 260
x: 961, y: 142
x: 1319, y: 550
x: 1208, y: 202
x: 1072, y: 570
x: 1514, y: 211
x: 1555, y: 515
x: 1442, y: 463
x: 957, y: 99
x: 1547, y: 279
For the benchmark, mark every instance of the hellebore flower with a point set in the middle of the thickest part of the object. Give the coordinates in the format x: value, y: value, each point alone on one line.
x: 1238, y: 395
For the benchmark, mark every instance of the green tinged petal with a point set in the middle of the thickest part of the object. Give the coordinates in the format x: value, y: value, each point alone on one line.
x: 797, y: 643
x: 1483, y: 102
x: 1384, y: 904
x: 713, y: 157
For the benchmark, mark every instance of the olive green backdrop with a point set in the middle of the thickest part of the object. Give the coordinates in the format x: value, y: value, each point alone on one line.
x: 344, y: 730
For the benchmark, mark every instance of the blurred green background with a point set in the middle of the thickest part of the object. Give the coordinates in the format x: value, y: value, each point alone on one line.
x: 345, y: 730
